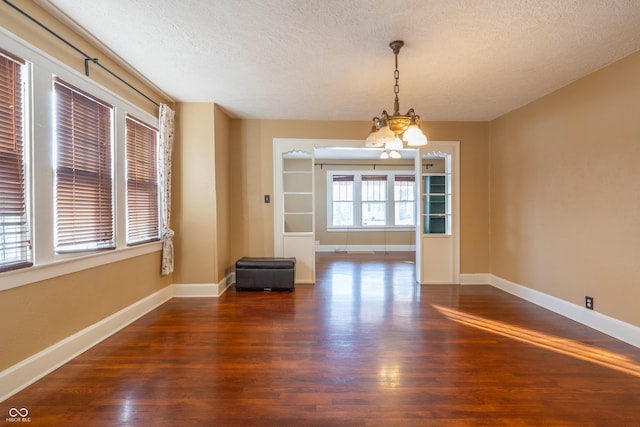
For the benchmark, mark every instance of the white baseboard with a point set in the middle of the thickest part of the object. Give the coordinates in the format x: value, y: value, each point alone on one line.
x: 186, y: 290
x: 365, y: 248
x: 211, y: 290
x: 475, y: 279
x: 28, y: 371
x: 598, y: 321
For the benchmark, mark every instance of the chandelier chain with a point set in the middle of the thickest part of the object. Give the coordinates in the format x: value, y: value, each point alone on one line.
x: 396, y: 75
x: 396, y: 88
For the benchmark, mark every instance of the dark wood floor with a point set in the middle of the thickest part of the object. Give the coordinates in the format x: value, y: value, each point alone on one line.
x: 363, y: 347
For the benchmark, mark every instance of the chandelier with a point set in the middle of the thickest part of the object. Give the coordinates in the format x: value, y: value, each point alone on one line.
x: 389, y: 131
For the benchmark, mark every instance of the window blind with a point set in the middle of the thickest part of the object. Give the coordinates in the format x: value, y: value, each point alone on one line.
x: 15, y: 244
x: 84, y: 176
x: 142, y: 182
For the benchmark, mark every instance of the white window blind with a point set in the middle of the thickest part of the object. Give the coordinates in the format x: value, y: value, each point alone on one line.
x: 142, y: 182
x: 15, y: 244
x: 84, y: 172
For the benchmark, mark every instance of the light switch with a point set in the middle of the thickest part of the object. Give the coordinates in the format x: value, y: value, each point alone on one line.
x: 267, y: 198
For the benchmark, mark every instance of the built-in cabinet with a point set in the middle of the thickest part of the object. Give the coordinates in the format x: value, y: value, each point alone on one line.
x: 294, y: 204
x: 297, y: 181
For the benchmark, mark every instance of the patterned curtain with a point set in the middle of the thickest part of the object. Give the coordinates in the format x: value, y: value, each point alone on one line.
x: 166, y: 145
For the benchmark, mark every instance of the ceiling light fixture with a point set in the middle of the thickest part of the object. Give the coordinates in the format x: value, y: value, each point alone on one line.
x: 389, y: 131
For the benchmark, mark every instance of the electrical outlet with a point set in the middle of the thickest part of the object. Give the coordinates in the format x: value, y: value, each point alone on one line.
x: 588, y: 302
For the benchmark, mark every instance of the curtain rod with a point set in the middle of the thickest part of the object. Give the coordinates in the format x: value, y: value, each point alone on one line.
x: 87, y: 58
x: 426, y: 165
x: 363, y: 164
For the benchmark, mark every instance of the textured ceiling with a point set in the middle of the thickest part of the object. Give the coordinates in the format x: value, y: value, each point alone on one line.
x: 311, y: 59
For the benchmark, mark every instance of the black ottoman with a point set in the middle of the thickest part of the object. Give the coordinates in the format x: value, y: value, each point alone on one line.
x: 265, y: 274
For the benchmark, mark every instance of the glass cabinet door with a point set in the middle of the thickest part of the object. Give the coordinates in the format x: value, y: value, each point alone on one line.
x: 436, y: 204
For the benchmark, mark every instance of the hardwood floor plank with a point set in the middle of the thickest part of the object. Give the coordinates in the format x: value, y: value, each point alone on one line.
x: 364, y: 346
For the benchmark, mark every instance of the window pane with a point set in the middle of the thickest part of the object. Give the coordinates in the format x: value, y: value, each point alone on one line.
x: 84, y: 180
x: 374, y: 213
x: 404, y: 200
x: 142, y: 182
x: 404, y: 213
x: 342, y: 213
x: 343, y: 191
x: 15, y: 244
x: 374, y: 188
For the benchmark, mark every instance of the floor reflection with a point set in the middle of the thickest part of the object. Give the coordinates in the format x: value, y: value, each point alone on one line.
x: 363, y: 289
x: 560, y: 345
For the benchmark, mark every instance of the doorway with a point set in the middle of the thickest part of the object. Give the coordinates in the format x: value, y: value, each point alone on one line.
x: 300, y: 163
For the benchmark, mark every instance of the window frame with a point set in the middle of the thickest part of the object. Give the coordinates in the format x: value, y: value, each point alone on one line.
x: 408, y: 200
x: 150, y: 189
x: 23, y: 244
x: 358, y: 200
x: 348, y: 200
x: 86, y: 181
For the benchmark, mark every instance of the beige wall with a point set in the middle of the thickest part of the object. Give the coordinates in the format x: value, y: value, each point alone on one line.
x: 224, y: 175
x: 565, y: 192
x: 201, y: 194
x: 194, y: 194
x: 251, y: 161
x: 40, y: 314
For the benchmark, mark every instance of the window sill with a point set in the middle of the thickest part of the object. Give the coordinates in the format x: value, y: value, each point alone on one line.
x: 37, y: 273
x: 368, y: 229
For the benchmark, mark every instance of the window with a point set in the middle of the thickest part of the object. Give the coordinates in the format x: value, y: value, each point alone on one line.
x: 404, y: 196
x: 360, y: 199
x: 64, y: 187
x: 342, y: 190
x: 15, y: 244
x: 142, y: 182
x: 374, y: 200
x: 84, y: 177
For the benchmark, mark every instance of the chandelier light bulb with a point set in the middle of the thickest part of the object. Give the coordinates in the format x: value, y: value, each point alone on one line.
x: 384, y: 155
x: 414, y: 136
x: 394, y: 154
x: 372, y: 139
x: 394, y: 144
x: 384, y: 136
